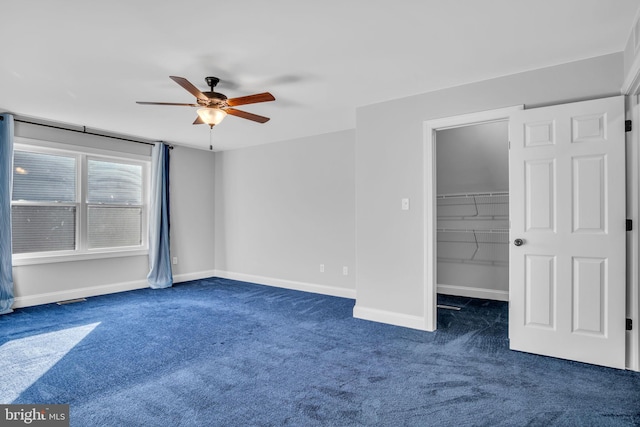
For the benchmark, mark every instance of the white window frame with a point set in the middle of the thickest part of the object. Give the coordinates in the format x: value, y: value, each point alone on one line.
x: 82, y: 155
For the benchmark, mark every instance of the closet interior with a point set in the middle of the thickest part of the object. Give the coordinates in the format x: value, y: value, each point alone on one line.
x: 472, y: 206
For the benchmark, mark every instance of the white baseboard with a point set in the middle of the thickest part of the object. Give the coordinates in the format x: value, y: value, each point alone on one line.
x: 389, y: 317
x: 288, y: 284
x: 186, y: 277
x: 467, y: 291
x: 91, y: 291
x: 50, y: 297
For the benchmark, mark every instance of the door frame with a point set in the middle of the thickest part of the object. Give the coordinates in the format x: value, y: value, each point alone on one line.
x: 430, y: 184
x: 632, y: 107
x: 631, y: 88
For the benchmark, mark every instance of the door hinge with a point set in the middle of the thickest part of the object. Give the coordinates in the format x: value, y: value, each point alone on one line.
x: 628, y: 126
x: 629, y: 224
x: 629, y: 324
x: 509, y: 145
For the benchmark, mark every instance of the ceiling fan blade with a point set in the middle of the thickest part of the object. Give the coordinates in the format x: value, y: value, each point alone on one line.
x: 189, y: 87
x: 199, y: 121
x: 248, y: 116
x: 166, y: 103
x: 251, y: 99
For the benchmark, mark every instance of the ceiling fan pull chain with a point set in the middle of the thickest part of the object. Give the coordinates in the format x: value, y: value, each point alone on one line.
x: 210, y: 138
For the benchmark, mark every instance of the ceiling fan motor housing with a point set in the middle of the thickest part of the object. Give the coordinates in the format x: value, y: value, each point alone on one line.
x: 216, y: 99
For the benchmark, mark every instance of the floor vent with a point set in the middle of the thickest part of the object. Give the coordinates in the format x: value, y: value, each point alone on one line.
x: 71, y: 301
x: 449, y: 307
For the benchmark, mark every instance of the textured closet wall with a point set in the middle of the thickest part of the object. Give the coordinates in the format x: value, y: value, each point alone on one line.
x: 473, y: 159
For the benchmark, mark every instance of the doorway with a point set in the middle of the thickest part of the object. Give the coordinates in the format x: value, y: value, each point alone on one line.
x: 566, y: 222
x: 472, y: 210
x: 464, y: 287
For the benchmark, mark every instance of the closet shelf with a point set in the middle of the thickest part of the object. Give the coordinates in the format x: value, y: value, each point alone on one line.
x: 471, y: 195
x: 474, y: 218
x: 473, y: 207
x: 463, y: 230
x: 474, y: 238
x: 473, y: 228
x: 472, y: 261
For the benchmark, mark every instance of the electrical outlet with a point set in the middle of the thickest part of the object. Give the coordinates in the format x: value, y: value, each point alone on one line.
x: 345, y: 270
x: 175, y: 260
x: 321, y: 268
x: 405, y: 204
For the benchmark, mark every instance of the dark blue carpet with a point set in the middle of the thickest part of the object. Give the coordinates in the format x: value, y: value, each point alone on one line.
x: 217, y: 352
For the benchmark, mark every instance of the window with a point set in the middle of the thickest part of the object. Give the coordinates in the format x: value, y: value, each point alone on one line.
x: 43, y: 208
x: 68, y: 203
x: 114, y: 204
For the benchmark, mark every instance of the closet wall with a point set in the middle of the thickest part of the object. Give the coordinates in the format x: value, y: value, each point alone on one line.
x: 473, y: 210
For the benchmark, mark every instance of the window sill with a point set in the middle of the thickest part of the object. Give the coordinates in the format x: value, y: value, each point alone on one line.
x: 20, y: 260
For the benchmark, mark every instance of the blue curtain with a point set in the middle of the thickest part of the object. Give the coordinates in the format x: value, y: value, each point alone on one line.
x: 6, y: 177
x: 160, y: 275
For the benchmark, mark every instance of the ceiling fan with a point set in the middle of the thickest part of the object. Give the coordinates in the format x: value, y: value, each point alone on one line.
x: 215, y: 105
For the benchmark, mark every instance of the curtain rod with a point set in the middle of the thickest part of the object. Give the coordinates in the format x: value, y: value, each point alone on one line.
x: 84, y: 130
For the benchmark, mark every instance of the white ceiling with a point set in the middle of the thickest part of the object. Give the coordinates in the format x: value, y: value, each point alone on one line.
x: 86, y: 63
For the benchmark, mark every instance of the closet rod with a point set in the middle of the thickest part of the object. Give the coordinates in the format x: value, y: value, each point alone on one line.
x: 466, y: 230
x: 84, y: 130
x: 468, y: 195
x: 475, y: 261
x: 502, y: 217
x: 476, y: 242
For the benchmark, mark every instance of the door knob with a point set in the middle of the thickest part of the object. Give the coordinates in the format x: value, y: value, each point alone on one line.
x: 518, y: 242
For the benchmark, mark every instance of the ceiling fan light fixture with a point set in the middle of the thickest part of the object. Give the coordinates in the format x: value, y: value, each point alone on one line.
x: 212, y: 116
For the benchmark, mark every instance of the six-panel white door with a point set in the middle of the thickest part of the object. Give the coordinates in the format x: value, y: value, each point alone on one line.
x: 567, y: 207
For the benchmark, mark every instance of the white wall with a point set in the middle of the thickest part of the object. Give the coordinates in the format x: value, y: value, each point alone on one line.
x: 192, y: 230
x: 473, y: 159
x: 283, y: 209
x: 389, y: 166
x: 631, y: 57
x: 192, y: 213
